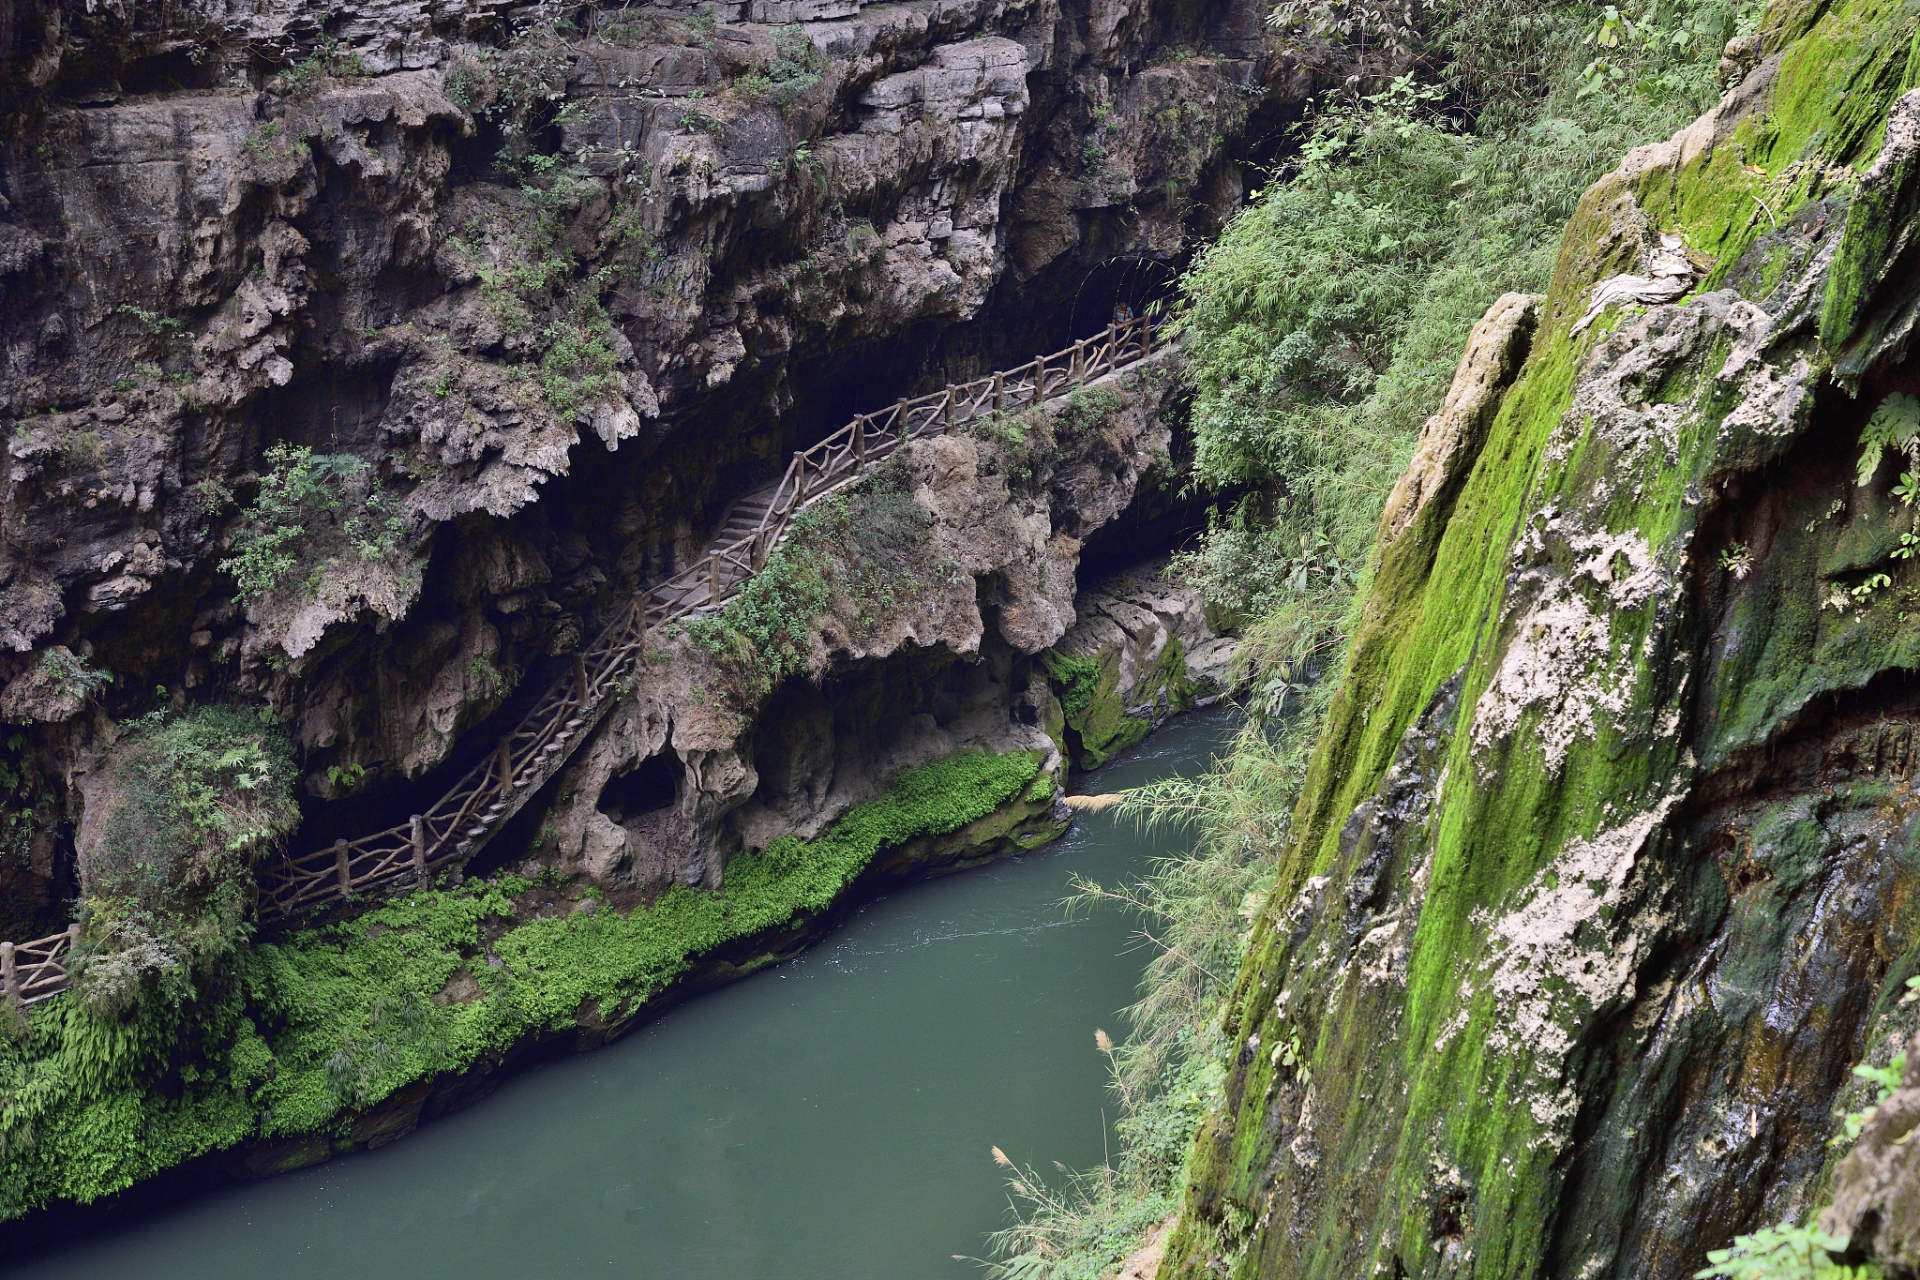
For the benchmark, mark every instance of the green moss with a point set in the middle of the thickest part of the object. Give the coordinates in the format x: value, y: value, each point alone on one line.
x: 1427, y: 1077
x: 1077, y: 676
x: 1089, y: 689
x: 308, y: 1033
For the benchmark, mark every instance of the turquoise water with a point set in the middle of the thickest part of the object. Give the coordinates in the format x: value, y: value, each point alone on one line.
x: 828, y: 1118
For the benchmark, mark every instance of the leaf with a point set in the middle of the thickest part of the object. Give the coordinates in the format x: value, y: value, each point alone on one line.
x: 1895, y: 424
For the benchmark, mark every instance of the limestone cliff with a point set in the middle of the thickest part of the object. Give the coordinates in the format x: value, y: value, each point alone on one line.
x: 1602, y: 879
x: 546, y: 290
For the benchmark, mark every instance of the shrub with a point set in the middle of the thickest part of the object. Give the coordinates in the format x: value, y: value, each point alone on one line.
x: 70, y: 675
x: 860, y: 553
x: 795, y: 68
x: 327, y: 62
x: 578, y: 367
x: 310, y: 508
x: 197, y: 799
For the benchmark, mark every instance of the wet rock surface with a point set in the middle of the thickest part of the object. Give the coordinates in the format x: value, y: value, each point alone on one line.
x: 1143, y: 649
x: 1600, y: 885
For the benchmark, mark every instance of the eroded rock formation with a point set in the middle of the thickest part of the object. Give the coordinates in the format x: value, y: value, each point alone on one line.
x: 560, y: 286
x: 1600, y: 884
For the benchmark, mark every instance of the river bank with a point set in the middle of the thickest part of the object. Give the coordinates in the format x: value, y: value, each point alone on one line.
x: 830, y: 1115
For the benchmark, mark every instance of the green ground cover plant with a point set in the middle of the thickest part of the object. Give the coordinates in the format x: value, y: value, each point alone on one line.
x: 296, y: 1035
x: 311, y: 509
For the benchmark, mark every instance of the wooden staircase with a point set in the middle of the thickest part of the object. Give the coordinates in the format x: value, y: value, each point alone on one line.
x: 461, y: 822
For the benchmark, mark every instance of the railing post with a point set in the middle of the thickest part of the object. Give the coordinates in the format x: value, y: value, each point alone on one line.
x: 343, y: 867
x: 9, y: 975
x: 503, y: 762
x: 900, y: 420
x: 998, y: 391
x: 1077, y: 371
x: 860, y: 443
x: 1146, y: 337
x: 713, y: 581
x: 1039, y: 379
x: 419, y: 833
x: 580, y: 677
x: 759, y: 551
x: 947, y: 409
x: 800, y: 483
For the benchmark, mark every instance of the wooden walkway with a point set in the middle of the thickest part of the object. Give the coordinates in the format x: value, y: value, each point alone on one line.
x: 480, y: 804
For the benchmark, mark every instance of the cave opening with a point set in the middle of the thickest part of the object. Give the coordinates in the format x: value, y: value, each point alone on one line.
x: 650, y: 786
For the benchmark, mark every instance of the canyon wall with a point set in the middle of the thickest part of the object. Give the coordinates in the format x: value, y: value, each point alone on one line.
x: 1603, y: 877
x: 547, y: 289
x: 361, y: 364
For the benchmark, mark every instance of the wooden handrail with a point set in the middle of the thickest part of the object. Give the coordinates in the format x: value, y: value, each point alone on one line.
x: 476, y: 807
x: 33, y: 971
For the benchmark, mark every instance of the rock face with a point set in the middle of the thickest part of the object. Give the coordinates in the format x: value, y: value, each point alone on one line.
x: 557, y: 294
x: 1601, y: 881
x: 911, y: 661
x: 1142, y: 650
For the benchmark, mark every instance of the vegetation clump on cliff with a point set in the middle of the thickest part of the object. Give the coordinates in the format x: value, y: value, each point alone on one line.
x: 859, y: 553
x: 313, y: 513
x: 167, y: 889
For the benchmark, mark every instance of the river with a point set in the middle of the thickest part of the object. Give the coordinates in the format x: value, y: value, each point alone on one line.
x: 831, y: 1117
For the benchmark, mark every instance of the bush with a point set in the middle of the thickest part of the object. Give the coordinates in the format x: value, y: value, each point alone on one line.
x: 1325, y: 323
x: 197, y: 800
x: 311, y: 508
x: 860, y: 553
x: 795, y: 68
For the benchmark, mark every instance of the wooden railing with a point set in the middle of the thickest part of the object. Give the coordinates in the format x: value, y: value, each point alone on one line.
x: 481, y: 802
x: 32, y: 971
x: 846, y: 454
x: 491, y: 792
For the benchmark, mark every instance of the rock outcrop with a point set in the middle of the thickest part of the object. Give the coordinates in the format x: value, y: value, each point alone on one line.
x: 546, y: 297
x: 1142, y: 650
x: 925, y: 649
x: 1599, y: 884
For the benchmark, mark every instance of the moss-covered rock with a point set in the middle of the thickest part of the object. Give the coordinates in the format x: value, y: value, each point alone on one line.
x: 1142, y: 650
x: 1604, y: 873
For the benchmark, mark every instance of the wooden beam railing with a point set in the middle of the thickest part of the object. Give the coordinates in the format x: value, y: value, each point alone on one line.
x: 872, y: 437
x: 32, y: 971
x: 495, y: 788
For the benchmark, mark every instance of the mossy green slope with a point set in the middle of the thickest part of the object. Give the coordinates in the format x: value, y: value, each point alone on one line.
x: 1462, y: 993
x: 1089, y: 689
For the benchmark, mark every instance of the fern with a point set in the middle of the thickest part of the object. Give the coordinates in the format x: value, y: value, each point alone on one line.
x: 1785, y: 1252
x: 1894, y: 425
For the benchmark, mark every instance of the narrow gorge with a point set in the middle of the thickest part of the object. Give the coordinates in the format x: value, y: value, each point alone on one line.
x: 523, y: 515
x: 398, y: 408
